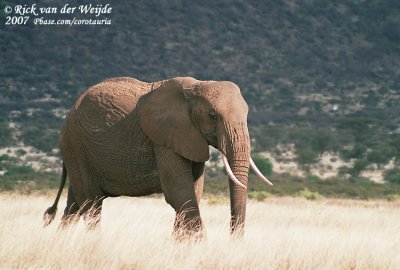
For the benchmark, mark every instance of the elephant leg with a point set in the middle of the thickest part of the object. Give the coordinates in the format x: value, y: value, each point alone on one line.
x: 71, y: 215
x: 198, y: 186
x: 85, y: 196
x: 177, y: 184
x: 198, y: 175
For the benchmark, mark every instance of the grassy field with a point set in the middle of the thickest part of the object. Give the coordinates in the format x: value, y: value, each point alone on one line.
x: 281, y: 233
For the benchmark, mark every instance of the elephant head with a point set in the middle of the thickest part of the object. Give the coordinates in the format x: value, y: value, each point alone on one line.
x: 188, y: 115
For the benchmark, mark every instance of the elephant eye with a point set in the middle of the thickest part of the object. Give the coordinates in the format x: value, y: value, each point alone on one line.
x: 213, y: 115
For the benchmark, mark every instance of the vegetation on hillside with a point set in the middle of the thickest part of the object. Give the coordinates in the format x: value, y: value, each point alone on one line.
x: 25, y: 179
x: 322, y: 75
x: 287, y: 185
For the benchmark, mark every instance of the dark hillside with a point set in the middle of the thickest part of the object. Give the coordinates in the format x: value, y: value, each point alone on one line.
x: 308, y: 69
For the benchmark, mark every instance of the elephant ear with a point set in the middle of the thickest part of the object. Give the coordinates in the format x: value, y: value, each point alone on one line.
x: 164, y: 116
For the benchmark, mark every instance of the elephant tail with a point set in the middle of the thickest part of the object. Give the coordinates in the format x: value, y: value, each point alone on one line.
x: 50, y: 213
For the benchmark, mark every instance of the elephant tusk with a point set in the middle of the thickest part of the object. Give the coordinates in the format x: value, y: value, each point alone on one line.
x: 230, y: 173
x: 257, y: 171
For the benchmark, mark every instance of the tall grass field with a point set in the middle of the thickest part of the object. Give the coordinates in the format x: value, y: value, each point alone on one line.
x: 135, y: 233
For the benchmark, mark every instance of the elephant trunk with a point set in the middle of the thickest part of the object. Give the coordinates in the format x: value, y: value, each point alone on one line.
x: 236, y: 146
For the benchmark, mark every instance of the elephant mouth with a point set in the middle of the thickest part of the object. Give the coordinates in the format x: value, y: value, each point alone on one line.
x: 212, y: 139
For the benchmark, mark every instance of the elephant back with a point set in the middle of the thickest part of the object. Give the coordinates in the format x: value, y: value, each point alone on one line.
x: 105, y: 104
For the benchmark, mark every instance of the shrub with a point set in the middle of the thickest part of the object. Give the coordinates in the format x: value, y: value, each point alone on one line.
x: 214, y: 159
x: 5, y: 157
x: 258, y: 195
x: 356, y: 152
x: 21, y: 152
x: 381, y: 154
x: 323, y: 141
x: 5, y: 133
x: 393, y: 176
x: 314, y: 178
x: 359, y: 166
x: 263, y: 164
x: 20, y: 170
x: 218, y: 199
x: 309, y: 195
x: 306, y: 157
x: 393, y: 197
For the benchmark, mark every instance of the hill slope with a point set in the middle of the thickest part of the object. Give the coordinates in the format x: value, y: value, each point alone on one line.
x: 319, y: 74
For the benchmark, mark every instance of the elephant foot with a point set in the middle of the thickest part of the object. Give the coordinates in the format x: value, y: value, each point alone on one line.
x: 188, y: 228
x: 237, y: 227
x: 68, y: 220
x: 189, y: 235
x: 92, y: 221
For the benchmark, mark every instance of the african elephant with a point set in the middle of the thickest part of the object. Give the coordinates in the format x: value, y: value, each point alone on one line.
x: 128, y: 137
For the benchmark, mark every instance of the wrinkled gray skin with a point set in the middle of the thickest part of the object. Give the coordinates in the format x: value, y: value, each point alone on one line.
x: 127, y: 137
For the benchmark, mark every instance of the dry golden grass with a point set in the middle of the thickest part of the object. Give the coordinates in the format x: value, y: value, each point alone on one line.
x: 281, y: 233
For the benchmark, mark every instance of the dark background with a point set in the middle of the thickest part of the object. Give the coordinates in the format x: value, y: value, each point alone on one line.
x: 323, y: 75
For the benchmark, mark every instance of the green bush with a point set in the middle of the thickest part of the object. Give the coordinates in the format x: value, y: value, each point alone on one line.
x: 309, y: 195
x: 381, y: 154
x: 21, y: 152
x: 258, y: 195
x: 357, y: 151
x: 306, y: 157
x: 323, y: 141
x: 5, y: 157
x: 217, y: 199
x: 393, y: 176
x: 29, y: 182
x: 15, y: 170
x: 359, y: 166
x: 214, y: 159
x: 393, y: 197
x: 5, y: 133
x: 263, y: 164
